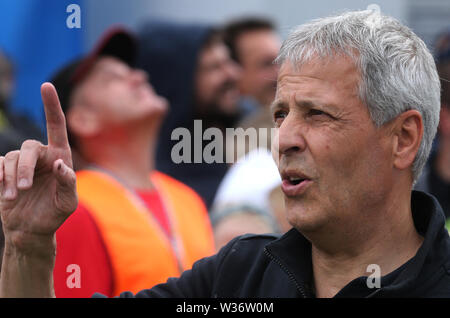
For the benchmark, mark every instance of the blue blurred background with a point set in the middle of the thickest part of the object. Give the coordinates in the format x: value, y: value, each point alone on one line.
x: 36, y: 38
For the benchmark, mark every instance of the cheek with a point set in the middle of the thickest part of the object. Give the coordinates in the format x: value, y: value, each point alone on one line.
x: 116, y: 105
x: 327, y: 151
x: 205, y: 87
x: 337, y: 160
x: 353, y: 167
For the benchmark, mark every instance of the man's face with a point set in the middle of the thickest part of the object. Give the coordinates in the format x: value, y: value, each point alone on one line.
x: 333, y: 161
x: 216, y: 81
x: 118, y: 94
x: 256, y: 52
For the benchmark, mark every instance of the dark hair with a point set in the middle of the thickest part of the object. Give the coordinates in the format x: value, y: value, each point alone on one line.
x: 213, y: 37
x: 234, y: 29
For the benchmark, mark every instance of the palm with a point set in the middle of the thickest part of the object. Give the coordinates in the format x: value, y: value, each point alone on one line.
x: 41, y: 207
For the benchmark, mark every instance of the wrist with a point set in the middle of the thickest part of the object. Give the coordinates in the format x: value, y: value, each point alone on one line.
x: 27, y: 269
x: 30, y: 245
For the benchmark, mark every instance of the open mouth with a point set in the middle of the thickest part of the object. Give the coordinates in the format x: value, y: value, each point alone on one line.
x: 294, y: 184
x: 295, y: 181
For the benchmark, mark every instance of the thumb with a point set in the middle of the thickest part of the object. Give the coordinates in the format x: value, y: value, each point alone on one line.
x: 66, y: 193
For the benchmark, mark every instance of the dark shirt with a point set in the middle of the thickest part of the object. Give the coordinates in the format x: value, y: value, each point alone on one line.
x: 272, y: 266
x: 432, y: 183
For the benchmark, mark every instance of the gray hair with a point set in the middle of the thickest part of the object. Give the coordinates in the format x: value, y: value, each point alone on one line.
x: 398, y: 72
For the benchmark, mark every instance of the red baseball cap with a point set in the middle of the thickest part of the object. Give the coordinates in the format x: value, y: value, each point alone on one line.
x: 116, y: 42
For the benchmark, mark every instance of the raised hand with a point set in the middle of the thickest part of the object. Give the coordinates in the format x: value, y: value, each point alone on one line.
x: 37, y: 183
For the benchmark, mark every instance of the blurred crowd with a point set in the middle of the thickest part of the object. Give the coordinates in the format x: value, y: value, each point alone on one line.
x: 122, y: 103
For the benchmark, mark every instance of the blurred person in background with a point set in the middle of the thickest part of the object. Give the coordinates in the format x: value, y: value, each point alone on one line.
x: 249, y: 182
x: 231, y: 221
x: 14, y: 129
x: 435, y: 178
x: 243, y: 204
x: 134, y: 226
x: 191, y: 67
x: 254, y: 45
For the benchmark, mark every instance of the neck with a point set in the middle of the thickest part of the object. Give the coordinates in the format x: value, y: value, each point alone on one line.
x: 389, y: 242
x: 128, y: 154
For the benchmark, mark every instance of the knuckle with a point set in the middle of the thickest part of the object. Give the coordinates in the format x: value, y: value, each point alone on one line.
x: 31, y: 143
x: 24, y: 168
x: 12, y: 155
x: 71, y: 179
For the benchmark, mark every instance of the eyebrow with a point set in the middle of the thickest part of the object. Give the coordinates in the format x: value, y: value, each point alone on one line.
x: 308, y: 104
x: 277, y: 104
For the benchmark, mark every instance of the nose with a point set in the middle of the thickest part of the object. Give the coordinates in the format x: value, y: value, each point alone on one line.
x: 289, y: 138
x: 138, y: 76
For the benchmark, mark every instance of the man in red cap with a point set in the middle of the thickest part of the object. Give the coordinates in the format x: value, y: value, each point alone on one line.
x: 134, y: 227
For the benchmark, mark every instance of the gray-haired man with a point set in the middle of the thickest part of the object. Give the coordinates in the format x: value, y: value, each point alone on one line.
x: 357, y: 107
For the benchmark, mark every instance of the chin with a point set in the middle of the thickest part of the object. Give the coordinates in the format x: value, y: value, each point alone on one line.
x: 152, y: 110
x: 304, y: 219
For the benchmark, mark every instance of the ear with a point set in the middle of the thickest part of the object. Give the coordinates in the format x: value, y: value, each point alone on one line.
x: 408, y: 132
x: 82, y: 121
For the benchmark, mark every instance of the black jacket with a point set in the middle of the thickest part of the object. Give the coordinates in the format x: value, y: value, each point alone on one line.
x: 268, y: 266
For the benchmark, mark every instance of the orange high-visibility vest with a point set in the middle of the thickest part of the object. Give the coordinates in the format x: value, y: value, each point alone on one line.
x: 141, y: 254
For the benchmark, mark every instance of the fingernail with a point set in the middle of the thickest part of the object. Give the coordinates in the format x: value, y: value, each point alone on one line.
x: 62, y: 169
x: 9, y: 194
x: 23, y: 183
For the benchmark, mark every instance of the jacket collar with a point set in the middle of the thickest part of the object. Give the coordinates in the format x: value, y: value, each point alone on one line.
x: 293, y: 252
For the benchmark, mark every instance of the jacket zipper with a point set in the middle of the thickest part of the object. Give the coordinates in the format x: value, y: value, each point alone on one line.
x: 291, y: 276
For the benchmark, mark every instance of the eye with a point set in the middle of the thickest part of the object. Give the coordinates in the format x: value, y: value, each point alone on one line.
x: 317, y: 112
x: 279, y: 116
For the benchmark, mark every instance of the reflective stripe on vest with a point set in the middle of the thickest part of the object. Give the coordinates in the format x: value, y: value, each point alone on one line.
x: 140, y: 253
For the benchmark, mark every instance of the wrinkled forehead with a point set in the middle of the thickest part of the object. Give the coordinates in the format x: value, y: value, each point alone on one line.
x: 330, y: 67
x: 331, y: 81
x: 336, y: 70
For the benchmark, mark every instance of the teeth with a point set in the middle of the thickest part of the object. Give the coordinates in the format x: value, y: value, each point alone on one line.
x: 293, y: 179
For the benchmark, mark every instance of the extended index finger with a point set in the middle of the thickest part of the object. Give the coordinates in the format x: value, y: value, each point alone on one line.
x: 54, y: 116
